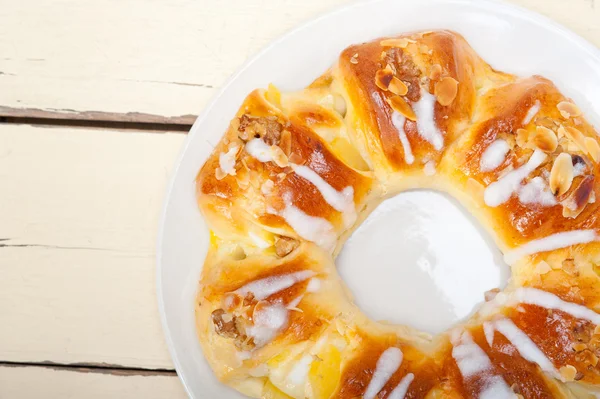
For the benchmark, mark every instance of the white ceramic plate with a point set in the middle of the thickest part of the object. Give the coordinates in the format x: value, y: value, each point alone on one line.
x: 509, y: 38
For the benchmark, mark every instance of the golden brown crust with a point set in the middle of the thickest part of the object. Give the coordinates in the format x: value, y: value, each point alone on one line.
x: 296, y: 171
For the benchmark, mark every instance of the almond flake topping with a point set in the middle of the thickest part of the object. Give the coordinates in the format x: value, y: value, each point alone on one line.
x: 561, y: 175
x: 383, y: 77
x: 398, y: 87
x: 568, y: 109
x: 400, y: 105
x: 593, y: 148
x: 545, y: 139
x: 401, y: 42
x: 445, y: 90
x: 436, y: 72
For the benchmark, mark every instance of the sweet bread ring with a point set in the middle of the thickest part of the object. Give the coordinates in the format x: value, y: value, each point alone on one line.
x: 296, y: 172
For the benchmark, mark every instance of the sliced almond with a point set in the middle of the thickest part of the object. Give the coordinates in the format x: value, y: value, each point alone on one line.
x: 285, y: 142
x: 445, y: 90
x: 593, y: 148
x: 579, y: 197
x: 522, y: 137
x: 568, y: 109
x: 285, y: 245
x: 435, y: 72
x: 399, y: 104
x: 398, y: 87
x: 561, y: 175
x: 354, y: 59
x: 219, y: 174
x: 400, y: 42
x: 545, y: 139
x: 383, y: 77
x: 575, y: 136
x: 568, y: 372
x: 392, y: 68
x: 579, y: 347
x: 279, y: 157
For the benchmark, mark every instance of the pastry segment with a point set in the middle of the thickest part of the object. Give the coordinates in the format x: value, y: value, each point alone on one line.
x: 296, y: 172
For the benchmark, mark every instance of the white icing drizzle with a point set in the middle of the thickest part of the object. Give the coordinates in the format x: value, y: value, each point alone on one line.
x: 314, y: 285
x: 265, y: 287
x: 311, y: 228
x: 299, y: 372
x: 472, y: 360
x: 535, y: 108
x: 501, y: 190
x: 488, y: 331
x: 534, y: 296
x: 497, y: 389
x: 551, y: 242
x: 387, y: 364
x: 295, y: 302
x: 494, y: 155
x: 400, y: 391
x: 424, y: 110
x: 398, y: 121
x: 341, y: 201
x: 260, y: 150
x: 429, y: 168
x: 267, y: 324
x: 578, y: 169
x: 469, y: 357
x: 227, y: 160
x: 269, y: 320
x: 526, y: 347
x: 258, y: 240
x: 536, y: 192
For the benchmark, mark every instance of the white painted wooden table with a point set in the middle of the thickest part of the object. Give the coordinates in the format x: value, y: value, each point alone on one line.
x: 95, y: 100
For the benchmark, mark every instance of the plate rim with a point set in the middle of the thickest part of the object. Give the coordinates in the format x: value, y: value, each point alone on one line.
x: 486, y: 5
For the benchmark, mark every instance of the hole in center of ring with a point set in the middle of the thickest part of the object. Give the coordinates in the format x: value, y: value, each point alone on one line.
x: 420, y: 259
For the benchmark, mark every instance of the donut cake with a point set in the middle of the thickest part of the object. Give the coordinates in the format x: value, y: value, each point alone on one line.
x: 296, y: 172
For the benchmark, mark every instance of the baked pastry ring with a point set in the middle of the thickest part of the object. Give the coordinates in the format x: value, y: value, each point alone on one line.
x: 296, y: 172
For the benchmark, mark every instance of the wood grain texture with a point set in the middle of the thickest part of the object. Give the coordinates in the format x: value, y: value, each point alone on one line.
x: 129, y: 120
x: 45, y: 382
x: 163, y: 58
x: 79, y: 211
x: 160, y: 58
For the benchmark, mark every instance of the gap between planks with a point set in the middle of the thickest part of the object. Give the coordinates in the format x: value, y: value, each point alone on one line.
x: 98, y: 368
x: 97, y: 119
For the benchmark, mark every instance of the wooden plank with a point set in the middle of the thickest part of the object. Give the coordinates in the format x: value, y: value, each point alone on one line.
x: 162, y: 60
x: 79, y: 211
x: 46, y: 382
x: 110, y: 120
